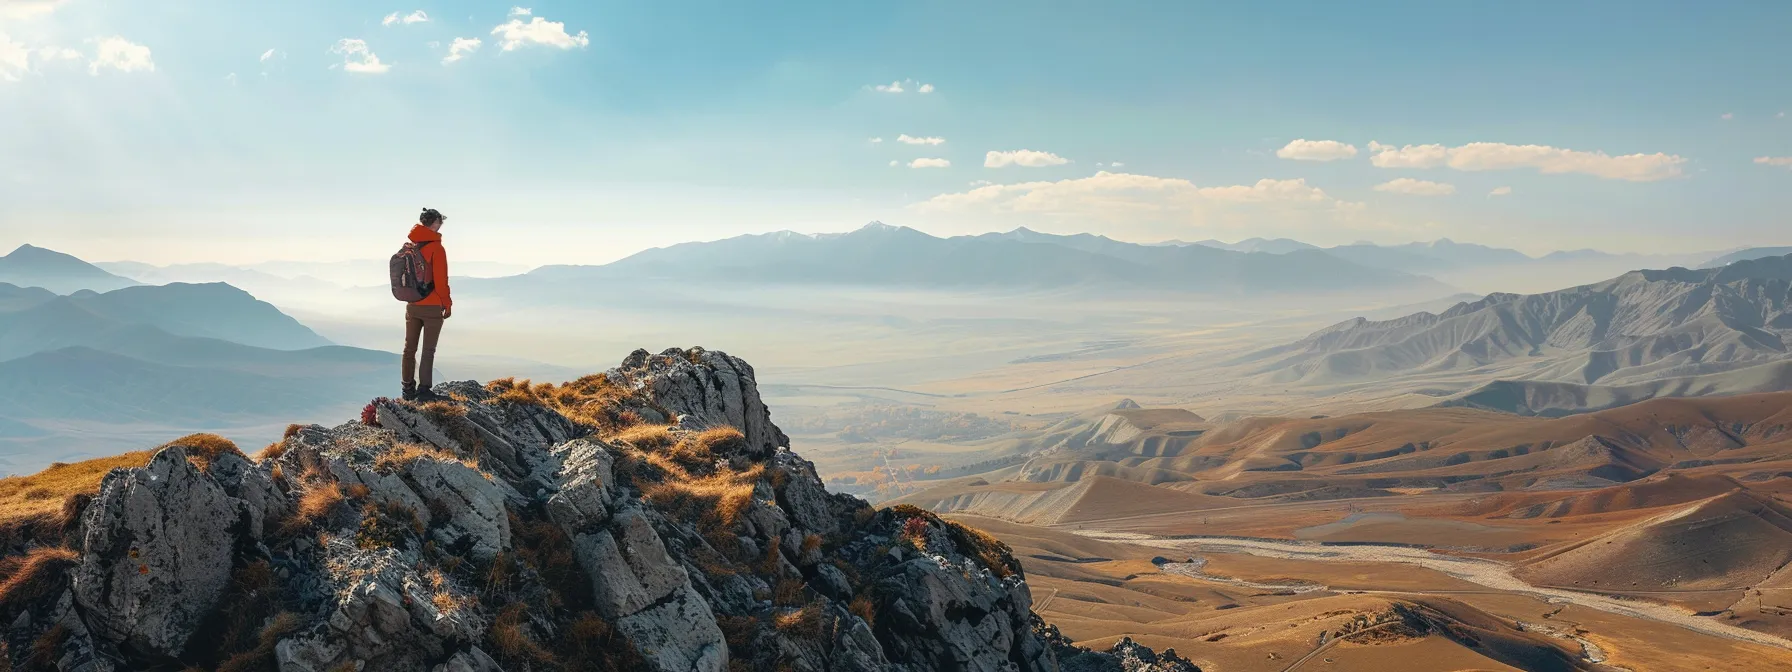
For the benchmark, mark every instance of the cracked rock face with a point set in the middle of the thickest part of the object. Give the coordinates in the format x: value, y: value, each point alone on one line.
x: 159, y: 545
x: 596, y: 527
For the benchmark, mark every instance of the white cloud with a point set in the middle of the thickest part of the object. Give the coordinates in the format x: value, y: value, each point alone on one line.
x: 1407, y: 185
x: 357, y: 58
x: 517, y: 33
x: 1116, y: 164
x: 1728, y: 116
x: 230, y: 79
x: 1778, y: 161
x: 122, y: 55
x: 1108, y: 196
x: 1545, y: 159
x: 27, y: 9
x: 414, y: 17
x: 1022, y: 157
x: 1500, y: 191
x: 876, y: 140
x: 267, y: 55
x: 460, y: 48
x: 1781, y: 115
x: 1264, y: 191
x: 15, y: 59
x: 1316, y: 150
x: 979, y: 183
x: 894, y: 163
x: 18, y: 59
x: 930, y: 163
x: 902, y: 86
x: 912, y: 140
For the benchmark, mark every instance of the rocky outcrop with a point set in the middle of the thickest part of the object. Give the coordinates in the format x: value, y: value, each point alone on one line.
x: 651, y: 518
x: 157, y: 553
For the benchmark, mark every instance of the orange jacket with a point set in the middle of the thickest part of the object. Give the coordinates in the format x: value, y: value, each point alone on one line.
x: 438, y: 265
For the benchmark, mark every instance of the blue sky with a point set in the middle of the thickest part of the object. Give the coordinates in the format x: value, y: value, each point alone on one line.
x: 157, y: 131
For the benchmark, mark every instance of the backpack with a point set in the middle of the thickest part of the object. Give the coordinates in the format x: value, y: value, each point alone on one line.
x: 412, y: 279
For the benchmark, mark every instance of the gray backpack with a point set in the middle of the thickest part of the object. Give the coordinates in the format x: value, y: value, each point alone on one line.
x: 412, y: 279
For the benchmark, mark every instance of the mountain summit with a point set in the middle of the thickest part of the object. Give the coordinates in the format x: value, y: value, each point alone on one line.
x: 32, y: 266
x: 649, y: 518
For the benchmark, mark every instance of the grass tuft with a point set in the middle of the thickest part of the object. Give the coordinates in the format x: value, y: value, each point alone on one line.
x: 204, y: 449
x: 34, y: 576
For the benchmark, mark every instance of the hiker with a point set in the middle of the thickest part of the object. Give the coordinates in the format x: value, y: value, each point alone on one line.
x: 420, y: 279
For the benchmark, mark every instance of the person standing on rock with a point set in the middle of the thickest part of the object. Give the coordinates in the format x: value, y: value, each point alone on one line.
x: 420, y: 279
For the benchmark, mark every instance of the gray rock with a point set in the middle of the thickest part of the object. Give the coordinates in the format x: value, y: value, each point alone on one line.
x: 158, y: 547
x: 678, y: 635
x: 474, y: 504
x: 705, y: 389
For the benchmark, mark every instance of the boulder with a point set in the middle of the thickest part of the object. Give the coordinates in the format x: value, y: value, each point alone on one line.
x: 158, y: 550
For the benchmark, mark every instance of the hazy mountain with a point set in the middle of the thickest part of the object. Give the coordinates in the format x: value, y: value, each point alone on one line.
x: 30, y: 266
x: 1750, y: 253
x: 1265, y: 245
x: 248, y: 279
x: 1641, y: 326
x: 214, y: 310
x: 891, y: 256
x: 93, y: 372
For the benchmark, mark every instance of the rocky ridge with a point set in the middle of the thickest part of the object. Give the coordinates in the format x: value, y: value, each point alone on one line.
x: 651, y: 517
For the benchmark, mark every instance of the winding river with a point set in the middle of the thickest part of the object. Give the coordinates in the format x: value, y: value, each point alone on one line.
x: 1493, y: 574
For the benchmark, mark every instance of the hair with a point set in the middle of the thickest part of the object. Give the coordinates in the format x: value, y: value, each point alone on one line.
x: 429, y: 216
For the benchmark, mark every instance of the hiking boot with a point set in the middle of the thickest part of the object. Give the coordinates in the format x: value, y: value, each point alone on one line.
x: 427, y: 395
x: 410, y: 393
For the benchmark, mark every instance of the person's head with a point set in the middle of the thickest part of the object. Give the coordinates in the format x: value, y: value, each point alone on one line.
x: 432, y: 219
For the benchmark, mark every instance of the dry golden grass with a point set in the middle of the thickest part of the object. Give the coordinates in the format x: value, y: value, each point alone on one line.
x: 203, y: 449
x: 862, y: 607
x: 645, y: 437
x: 512, y: 643
x: 442, y: 411
x: 41, y: 494
x: 317, y: 502
x: 995, y: 555
x: 717, y: 499
x: 592, y: 401
x: 34, y: 576
x: 400, y: 457
x: 272, y: 452
x: 804, y: 623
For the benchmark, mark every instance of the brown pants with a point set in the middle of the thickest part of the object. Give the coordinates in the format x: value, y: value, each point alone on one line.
x: 425, y: 322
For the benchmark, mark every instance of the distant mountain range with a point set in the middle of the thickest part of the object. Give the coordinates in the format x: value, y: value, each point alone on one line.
x: 1641, y: 328
x: 1744, y: 255
x: 33, y: 320
x: 30, y: 266
x: 881, y: 255
x: 94, y: 372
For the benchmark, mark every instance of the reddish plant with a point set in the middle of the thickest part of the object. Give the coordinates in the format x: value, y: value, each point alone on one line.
x: 369, y: 416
